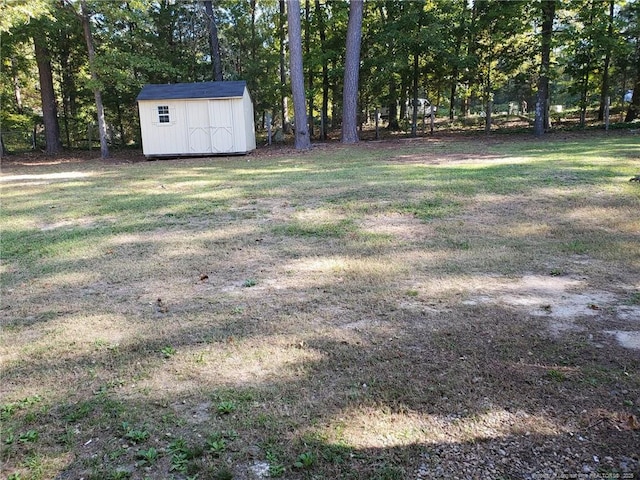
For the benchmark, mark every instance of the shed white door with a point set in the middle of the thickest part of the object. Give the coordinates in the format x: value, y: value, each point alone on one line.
x: 210, y: 126
x: 198, y: 129
x: 221, y: 121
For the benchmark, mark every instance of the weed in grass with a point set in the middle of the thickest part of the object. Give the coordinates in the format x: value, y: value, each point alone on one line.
x: 134, y: 435
x: 182, y: 456
x: 8, y: 410
x: 30, y: 436
x: 35, y: 465
x: 68, y: 437
x: 556, y: 375
x: 14, y: 476
x: 556, y: 272
x: 82, y: 410
x: 216, y: 444
x: 224, y: 408
x: 117, y: 453
x: 276, y: 468
x: 305, y: 460
x: 119, y: 474
x: 179, y: 462
x: 249, y: 282
x: 168, y: 351
x: 8, y: 437
x: 148, y: 457
x: 412, y: 293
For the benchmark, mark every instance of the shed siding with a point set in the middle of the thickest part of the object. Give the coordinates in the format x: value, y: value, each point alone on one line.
x: 248, y: 128
x: 197, y: 126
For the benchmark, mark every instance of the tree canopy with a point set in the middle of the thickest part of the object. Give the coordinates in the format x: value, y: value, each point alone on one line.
x: 464, y: 56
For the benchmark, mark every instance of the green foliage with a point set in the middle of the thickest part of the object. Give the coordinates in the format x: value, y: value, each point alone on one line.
x: 168, y: 351
x: 133, y: 434
x: 226, y: 407
x: 305, y: 460
x: 475, y: 50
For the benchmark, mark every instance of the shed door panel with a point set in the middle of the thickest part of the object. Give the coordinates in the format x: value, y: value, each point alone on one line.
x: 221, y: 118
x: 198, y: 130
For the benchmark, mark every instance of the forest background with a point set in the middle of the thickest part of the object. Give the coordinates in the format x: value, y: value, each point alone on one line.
x: 470, y: 58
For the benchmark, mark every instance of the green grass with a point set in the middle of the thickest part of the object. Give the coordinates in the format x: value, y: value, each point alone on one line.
x: 353, y: 312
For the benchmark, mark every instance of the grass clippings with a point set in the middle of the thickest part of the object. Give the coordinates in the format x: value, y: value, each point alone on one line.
x: 443, y: 308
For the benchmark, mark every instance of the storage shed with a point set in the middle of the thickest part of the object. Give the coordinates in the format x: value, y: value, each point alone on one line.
x: 207, y: 118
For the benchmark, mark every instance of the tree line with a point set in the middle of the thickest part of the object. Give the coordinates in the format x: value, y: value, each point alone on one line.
x: 75, y: 67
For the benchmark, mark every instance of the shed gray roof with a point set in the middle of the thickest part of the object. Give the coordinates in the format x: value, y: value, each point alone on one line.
x: 192, y: 90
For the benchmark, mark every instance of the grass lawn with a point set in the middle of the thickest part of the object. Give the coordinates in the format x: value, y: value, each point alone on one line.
x: 457, y: 307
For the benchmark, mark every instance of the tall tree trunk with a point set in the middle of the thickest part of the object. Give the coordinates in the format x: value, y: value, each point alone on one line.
x: 307, y: 43
x: 302, y: 140
x: 325, y: 71
x: 102, y: 126
x: 394, y: 125
x: 47, y: 95
x: 352, y: 73
x: 604, y: 90
x: 214, y: 42
x: 284, y: 101
x: 542, y: 107
x: 17, y: 91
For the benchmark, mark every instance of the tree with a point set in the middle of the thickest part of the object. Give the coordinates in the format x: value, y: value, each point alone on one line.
x: 47, y: 93
x: 302, y: 140
x: 214, y: 41
x: 351, y: 74
x: 548, y: 8
x: 102, y: 126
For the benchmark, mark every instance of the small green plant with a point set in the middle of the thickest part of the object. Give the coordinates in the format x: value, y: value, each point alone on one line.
x: 556, y: 272
x: 148, y: 456
x: 181, y: 455
x: 134, y: 435
x: 80, y: 411
x: 249, y: 282
x: 7, y: 410
x: 9, y: 437
x: 119, y: 474
x: 168, y: 351
x: 216, y: 444
x: 179, y: 462
x: 412, y: 293
x: 15, y: 476
x: 30, y: 436
x: 276, y: 468
x: 226, y: 408
x: 305, y: 460
x: 556, y: 375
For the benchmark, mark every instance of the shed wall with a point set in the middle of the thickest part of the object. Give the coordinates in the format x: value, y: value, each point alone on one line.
x: 198, y: 126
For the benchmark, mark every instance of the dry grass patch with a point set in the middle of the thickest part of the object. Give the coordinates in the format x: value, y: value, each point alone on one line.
x: 404, y: 310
